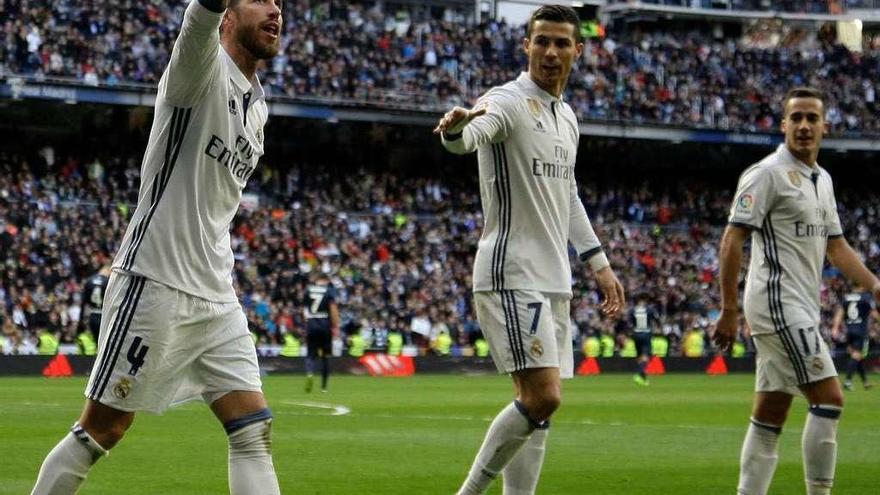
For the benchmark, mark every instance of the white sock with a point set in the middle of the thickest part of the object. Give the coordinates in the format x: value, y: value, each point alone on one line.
x: 758, y: 458
x: 820, y: 448
x: 66, y: 466
x: 250, y: 460
x: 507, y: 433
x: 522, y: 472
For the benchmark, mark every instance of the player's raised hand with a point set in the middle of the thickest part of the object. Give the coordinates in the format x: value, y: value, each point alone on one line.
x: 876, y: 292
x: 612, y: 290
x: 725, y: 329
x: 454, y: 120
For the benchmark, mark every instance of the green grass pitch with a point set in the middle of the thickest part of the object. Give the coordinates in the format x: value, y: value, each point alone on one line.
x: 419, y: 435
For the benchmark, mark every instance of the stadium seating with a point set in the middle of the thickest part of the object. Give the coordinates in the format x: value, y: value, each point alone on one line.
x: 353, y: 53
x: 399, y: 248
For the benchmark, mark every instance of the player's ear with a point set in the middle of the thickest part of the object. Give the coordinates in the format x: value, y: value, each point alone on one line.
x: 783, y: 125
x: 226, y: 23
x: 578, y: 50
x: 526, y: 44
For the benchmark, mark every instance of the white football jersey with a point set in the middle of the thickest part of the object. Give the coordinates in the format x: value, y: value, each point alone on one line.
x: 791, y: 210
x: 527, y: 147
x: 206, y: 140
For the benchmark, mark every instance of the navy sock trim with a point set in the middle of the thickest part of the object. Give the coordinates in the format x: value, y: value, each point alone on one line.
x: 825, y: 411
x: 237, y: 424
x: 774, y: 429
x: 538, y: 425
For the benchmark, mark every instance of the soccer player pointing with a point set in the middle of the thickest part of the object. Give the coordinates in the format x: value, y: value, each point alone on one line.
x: 527, y: 138
x: 172, y: 327
x: 786, y: 204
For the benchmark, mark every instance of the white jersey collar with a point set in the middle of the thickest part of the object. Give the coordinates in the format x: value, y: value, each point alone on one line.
x: 805, y: 170
x: 533, y: 89
x: 240, y: 80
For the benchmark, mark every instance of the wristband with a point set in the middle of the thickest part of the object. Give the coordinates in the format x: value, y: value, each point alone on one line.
x: 598, y: 261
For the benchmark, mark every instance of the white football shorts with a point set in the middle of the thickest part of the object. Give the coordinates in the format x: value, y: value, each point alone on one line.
x: 797, y: 355
x: 159, y: 347
x: 526, y: 329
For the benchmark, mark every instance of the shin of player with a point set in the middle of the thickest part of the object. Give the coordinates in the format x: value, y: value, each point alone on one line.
x: 786, y: 204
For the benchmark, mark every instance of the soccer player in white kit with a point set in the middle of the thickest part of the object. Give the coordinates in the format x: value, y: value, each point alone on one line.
x: 786, y: 204
x: 527, y: 138
x: 173, y: 329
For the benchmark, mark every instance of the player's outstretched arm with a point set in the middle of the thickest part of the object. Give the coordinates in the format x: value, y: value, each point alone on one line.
x: 453, y: 121
x: 215, y: 5
x: 845, y: 259
x: 730, y: 258
x: 490, y: 121
x: 194, y: 63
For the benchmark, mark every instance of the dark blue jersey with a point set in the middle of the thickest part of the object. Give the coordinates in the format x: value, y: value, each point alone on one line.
x: 318, y: 300
x: 643, y: 319
x: 857, y: 312
x: 93, y: 294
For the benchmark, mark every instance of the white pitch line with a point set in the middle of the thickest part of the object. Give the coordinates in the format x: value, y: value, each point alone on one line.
x: 335, y: 410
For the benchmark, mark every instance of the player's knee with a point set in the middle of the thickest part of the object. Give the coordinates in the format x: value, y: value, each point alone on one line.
x: 771, y: 413
x: 551, y: 401
x: 542, y: 405
x: 834, y: 398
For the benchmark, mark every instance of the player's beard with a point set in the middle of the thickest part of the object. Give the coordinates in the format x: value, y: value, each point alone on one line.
x: 249, y: 38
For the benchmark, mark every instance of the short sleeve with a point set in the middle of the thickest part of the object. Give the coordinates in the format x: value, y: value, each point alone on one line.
x: 753, y: 198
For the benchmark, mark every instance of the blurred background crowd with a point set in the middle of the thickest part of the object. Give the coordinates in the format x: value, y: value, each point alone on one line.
x: 392, y: 55
x: 398, y: 247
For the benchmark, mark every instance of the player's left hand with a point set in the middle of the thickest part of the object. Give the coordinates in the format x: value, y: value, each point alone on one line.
x: 876, y: 292
x: 612, y: 289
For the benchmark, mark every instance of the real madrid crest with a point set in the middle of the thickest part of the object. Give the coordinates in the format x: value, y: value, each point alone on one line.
x: 122, y: 388
x: 795, y: 177
x: 260, y: 136
x: 537, y: 348
x: 534, y: 107
x: 818, y: 365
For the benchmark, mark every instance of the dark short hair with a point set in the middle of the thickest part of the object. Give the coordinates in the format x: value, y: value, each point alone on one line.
x: 803, y: 92
x: 556, y: 13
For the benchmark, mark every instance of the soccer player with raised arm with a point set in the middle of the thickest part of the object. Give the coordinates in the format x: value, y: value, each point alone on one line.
x: 786, y: 204
x: 526, y: 138
x: 856, y: 311
x: 172, y: 327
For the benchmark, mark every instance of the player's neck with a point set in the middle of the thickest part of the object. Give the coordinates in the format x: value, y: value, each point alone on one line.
x: 242, y: 58
x: 553, y: 88
x: 807, y: 157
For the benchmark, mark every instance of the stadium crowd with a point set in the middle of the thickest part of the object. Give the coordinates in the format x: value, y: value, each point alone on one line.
x: 355, y: 52
x: 398, y: 247
x: 796, y: 6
